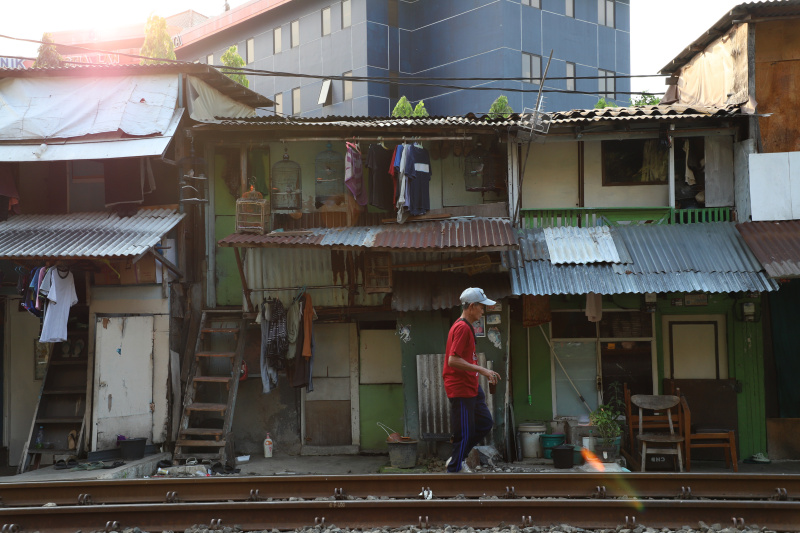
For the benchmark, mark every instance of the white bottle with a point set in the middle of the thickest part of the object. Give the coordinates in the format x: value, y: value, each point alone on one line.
x: 268, y: 446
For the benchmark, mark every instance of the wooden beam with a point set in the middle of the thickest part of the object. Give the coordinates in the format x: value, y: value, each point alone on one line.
x: 167, y: 263
x: 245, y: 289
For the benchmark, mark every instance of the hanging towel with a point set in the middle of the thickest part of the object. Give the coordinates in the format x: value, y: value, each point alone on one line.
x: 308, y: 319
x: 354, y: 174
x: 594, y: 307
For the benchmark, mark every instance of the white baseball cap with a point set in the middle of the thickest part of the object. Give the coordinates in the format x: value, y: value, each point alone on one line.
x: 474, y: 295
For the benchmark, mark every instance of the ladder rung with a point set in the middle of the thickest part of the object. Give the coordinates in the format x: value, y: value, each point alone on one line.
x: 201, y: 443
x: 215, y: 354
x: 220, y: 330
x: 221, y: 407
x: 200, y: 456
x: 201, y: 431
x: 213, y: 379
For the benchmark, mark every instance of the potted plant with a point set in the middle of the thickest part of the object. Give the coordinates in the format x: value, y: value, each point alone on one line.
x: 606, y: 420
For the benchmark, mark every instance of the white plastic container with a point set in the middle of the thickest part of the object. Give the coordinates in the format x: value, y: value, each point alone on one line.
x: 588, y: 443
x: 268, y: 446
x: 529, y: 435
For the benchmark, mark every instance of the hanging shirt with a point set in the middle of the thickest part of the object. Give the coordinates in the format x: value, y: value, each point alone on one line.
x: 354, y: 174
x: 402, y: 180
x: 418, y: 172
x: 381, y: 185
x: 61, y: 297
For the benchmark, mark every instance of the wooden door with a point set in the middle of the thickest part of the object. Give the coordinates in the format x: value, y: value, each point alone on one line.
x: 330, y: 415
x: 123, y: 382
x: 695, y: 347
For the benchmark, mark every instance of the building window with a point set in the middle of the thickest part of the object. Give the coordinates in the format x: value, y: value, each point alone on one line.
x: 533, y: 3
x: 326, y: 21
x: 279, y: 104
x: 570, y: 76
x: 569, y: 8
x: 531, y: 68
x: 605, y: 13
x: 294, y: 29
x: 276, y: 40
x: 296, y: 101
x: 606, y: 85
x: 634, y: 162
x: 210, y: 59
x: 250, y: 50
x: 347, y: 86
x: 346, y: 14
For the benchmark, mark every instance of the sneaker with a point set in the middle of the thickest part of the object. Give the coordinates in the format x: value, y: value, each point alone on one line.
x: 464, y: 468
x: 447, y: 463
x: 760, y: 458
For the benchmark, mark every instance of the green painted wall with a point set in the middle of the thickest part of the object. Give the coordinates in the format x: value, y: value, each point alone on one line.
x: 541, y: 407
x: 379, y: 403
x: 228, y: 284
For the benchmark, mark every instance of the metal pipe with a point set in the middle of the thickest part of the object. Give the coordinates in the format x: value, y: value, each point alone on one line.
x: 375, y: 139
x: 530, y: 397
x: 671, y: 174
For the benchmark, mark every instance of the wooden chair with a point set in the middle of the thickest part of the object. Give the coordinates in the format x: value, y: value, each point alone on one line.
x: 706, y: 438
x: 665, y: 443
x: 652, y: 422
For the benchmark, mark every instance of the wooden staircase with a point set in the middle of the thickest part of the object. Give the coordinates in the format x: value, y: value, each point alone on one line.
x: 208, y: 406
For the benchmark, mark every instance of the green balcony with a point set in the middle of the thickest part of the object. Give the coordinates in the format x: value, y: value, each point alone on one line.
x: 586, y: 217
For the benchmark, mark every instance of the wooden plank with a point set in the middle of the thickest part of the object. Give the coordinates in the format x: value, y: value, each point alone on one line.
x: 201, y: 443
x: 201, y: 431
x: 328, y: 423
x: 207, y: 407
x: 215, y: 354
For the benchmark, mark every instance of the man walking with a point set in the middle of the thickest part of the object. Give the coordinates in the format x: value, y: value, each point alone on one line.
x: 469, y: 415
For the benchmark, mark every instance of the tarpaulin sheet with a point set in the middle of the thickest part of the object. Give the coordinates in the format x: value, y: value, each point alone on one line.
x: 68, y: 107
x: 205, y: 103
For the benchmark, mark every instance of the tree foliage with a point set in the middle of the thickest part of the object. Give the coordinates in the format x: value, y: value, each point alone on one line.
x: 403, y: 108
x: 48, y: 55
x: 231, y: 58
x: 420, y: 110
x: 500, y: 108
x: 157, y: 42
x: 601, y: 103
x: 645, y: 99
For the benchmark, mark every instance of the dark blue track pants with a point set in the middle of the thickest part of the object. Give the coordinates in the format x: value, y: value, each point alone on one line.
x: 471, y: 421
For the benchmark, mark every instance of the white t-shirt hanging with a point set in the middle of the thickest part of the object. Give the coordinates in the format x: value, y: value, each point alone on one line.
x: 61, y: 297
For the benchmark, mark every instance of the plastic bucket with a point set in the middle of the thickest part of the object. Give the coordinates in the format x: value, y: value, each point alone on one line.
x: 529, y: 434
x: 403, y: 454
x: 549, y: 442
x: 132, y: 449
x: 563, y: 456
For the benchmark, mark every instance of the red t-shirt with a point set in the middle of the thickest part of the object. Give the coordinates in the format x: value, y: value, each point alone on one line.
x: 461, y: 343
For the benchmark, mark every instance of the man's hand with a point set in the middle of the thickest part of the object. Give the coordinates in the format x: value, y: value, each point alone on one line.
x: 493, y: 376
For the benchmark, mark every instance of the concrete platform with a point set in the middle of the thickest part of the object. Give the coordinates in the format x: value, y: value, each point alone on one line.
x: 292, y: 465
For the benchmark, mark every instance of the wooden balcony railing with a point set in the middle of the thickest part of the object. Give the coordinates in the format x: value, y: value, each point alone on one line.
x: 614, y: 216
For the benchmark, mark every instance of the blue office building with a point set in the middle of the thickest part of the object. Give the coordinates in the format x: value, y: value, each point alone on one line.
x: 506, y: 41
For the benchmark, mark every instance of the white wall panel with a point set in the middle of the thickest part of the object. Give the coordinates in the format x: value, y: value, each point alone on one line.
x: 770, y: 187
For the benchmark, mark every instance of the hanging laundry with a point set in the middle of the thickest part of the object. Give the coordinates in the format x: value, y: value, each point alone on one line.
x: 594, y: 307
x: 61, y: 298
x: 274, y: 343
x: 354, y: 174
x: 402, y: 180
x: 418, y: 172
x: 294, y: 318
x: 308, y: 319
x: 379, y: 163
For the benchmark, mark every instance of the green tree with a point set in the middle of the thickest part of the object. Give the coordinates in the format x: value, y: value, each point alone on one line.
x: 48, y: 55
x: 232, y: 59
x: 157, y: 42
x: 601, y: 103
x: 500, y: 108
x: 403, y: 108
x: 645, y: 99
x: 420, y: 110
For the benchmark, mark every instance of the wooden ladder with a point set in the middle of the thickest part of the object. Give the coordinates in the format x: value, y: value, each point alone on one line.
x: 208, y: 406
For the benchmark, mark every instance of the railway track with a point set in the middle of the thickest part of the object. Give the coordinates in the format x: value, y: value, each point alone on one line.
x: 371, y: 501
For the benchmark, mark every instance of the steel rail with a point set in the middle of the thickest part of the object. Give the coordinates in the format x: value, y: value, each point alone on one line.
x: 684, y: 486
x: 779, y: 516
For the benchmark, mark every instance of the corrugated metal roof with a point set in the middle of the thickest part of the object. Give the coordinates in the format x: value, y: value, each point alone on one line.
x: 669, y: 258
x: 776, y: 245
x: 465, y: 234
x: 84, y: 235
x: 207, y: 73
x: 372, y: 122
x: 645, y: 112
x: 777, y: 8
x: 581, y: 245
x: 441, y: 290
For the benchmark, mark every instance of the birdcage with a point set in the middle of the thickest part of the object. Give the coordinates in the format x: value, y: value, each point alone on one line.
x: 329, y: 177
x: 285, y: 185
x: 252, y: 213
x: 478, y: 171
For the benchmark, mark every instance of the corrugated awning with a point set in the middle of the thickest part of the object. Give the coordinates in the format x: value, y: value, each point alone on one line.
x: 483, y: 234
x: 438, y: 290
x: 665, y: 258
x: 776, y: 245
x: 84, y: 235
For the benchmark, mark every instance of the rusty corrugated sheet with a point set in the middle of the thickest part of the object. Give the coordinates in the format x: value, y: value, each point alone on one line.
x: 441, y: 290
x: 776, y: 245
x: 638, y: 113
x: 477, y: 233
x: 85, y: 235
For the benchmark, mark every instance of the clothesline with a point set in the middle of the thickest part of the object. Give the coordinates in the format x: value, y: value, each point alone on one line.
x: 375, y: 139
